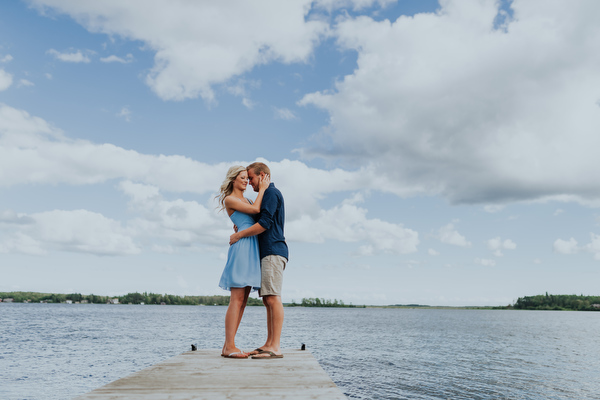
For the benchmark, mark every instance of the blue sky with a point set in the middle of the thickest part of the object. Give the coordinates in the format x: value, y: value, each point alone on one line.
x: 439, y: 153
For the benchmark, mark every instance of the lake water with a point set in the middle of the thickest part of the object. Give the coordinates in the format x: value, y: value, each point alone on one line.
x: 59, y: 351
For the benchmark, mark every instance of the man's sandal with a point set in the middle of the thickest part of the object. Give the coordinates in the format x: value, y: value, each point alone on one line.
x: 256, y: 351
x: 270, y: 355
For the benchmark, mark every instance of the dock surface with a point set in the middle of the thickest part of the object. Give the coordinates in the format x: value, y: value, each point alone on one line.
x: 204, y: 374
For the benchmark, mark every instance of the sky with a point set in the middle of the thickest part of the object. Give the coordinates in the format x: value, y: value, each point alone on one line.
x: 438, y: 153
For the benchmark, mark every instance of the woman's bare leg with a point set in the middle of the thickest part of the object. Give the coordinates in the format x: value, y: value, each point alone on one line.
x: 233, y: 317
x: 243, y: 306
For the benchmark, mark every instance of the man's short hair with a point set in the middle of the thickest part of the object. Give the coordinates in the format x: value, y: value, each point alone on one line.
x: 258, y: 167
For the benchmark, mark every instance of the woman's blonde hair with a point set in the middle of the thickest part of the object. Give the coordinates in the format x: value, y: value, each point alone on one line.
x: 227, y: 185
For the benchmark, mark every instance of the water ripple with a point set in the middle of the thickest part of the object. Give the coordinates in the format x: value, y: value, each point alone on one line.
x: 56, y: 351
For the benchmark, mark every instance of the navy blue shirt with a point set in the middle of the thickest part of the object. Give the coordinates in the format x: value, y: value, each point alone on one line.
x: 272, y: 218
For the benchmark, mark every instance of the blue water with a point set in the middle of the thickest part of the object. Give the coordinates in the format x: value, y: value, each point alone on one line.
x: 59, y: 351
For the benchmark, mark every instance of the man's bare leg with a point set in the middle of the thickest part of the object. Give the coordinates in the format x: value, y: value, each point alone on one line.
x: 269, y: 332
x: 275, y: 317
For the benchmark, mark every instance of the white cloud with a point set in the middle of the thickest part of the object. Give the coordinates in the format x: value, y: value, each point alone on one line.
x: 125, y: 113
x: 427, y: 93
x: 18, y: 128
x: 584, y: 201
x: 494, y: 244
x: 25, y: 82
x: 558, y: 212
x: 497, y: 245
x: 37, y: 153
x: 356, y: 5
x: 357, y: 198
x: 200, y: 44
x: 17, y: 242
x: 450, y: 105
x: 594, y: 246
x: 571, y: 246
x: 565, y: 246
x: 6, y: 58
x: 79, y: 231
x: 159, y: 226
x: 432, y: 252
x: 113, y: 58
x: 537, y: 261
x: 240, y: 89
x: 485, y: 262
x: 284, y: 113
x: 348, y: 223
x: 447, y: 234
x: 175, y: 223
x: 76, y: 57
x: 249, y: 104
x: 494, y: 208
x: 48, y: 75
x: 5, y: 80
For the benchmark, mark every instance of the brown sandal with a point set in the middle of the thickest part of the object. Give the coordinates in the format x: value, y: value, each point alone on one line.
x: 270, y: 355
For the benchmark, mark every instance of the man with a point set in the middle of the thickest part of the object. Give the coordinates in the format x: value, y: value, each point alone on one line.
x: 273, y: 257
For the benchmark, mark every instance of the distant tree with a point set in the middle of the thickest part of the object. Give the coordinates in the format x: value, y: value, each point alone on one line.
x: 558, y: 302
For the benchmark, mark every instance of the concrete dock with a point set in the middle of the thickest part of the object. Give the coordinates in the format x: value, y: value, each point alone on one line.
x: 204, y: 374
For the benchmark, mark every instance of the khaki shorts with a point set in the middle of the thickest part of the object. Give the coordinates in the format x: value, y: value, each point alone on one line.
x: 271, y: 272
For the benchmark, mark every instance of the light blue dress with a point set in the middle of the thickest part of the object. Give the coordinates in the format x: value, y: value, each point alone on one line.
x: 243, y: 262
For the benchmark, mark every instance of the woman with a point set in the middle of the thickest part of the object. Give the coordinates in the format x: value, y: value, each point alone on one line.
x: 242, y: 270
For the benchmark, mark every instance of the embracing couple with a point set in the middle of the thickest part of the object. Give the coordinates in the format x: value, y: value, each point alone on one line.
x: 257, y: 256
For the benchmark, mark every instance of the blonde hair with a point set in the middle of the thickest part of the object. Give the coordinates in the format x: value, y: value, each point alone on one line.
x: 227, y: 185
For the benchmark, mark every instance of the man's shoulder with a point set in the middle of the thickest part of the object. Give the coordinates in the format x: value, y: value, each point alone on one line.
x: 272, y: 190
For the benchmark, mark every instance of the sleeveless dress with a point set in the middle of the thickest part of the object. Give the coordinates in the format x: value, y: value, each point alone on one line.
x: 243, y: 261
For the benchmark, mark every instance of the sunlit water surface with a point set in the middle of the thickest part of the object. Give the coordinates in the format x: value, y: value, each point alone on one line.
x: 59, y: 351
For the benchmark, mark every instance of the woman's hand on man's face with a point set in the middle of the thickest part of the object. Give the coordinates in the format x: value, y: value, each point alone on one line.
x: 264, y: 182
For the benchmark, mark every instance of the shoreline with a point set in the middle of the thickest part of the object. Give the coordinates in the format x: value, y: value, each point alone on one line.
x: 539, y: 303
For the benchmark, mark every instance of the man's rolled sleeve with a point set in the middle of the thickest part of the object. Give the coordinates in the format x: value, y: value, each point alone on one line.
x: 267, y: 210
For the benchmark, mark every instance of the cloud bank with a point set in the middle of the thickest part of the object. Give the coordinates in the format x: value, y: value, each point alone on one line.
x: 469, y: 102
x: 453, y: 105
x: 442, y: 104
x: 201, y: 44
x: 33, y: 152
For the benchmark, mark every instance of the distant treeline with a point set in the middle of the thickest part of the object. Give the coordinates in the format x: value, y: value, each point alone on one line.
x: 316, y: 302
x: 558, y: 302
x: 410, y: 305
x: 153, y: 298
x: 133, y: 298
